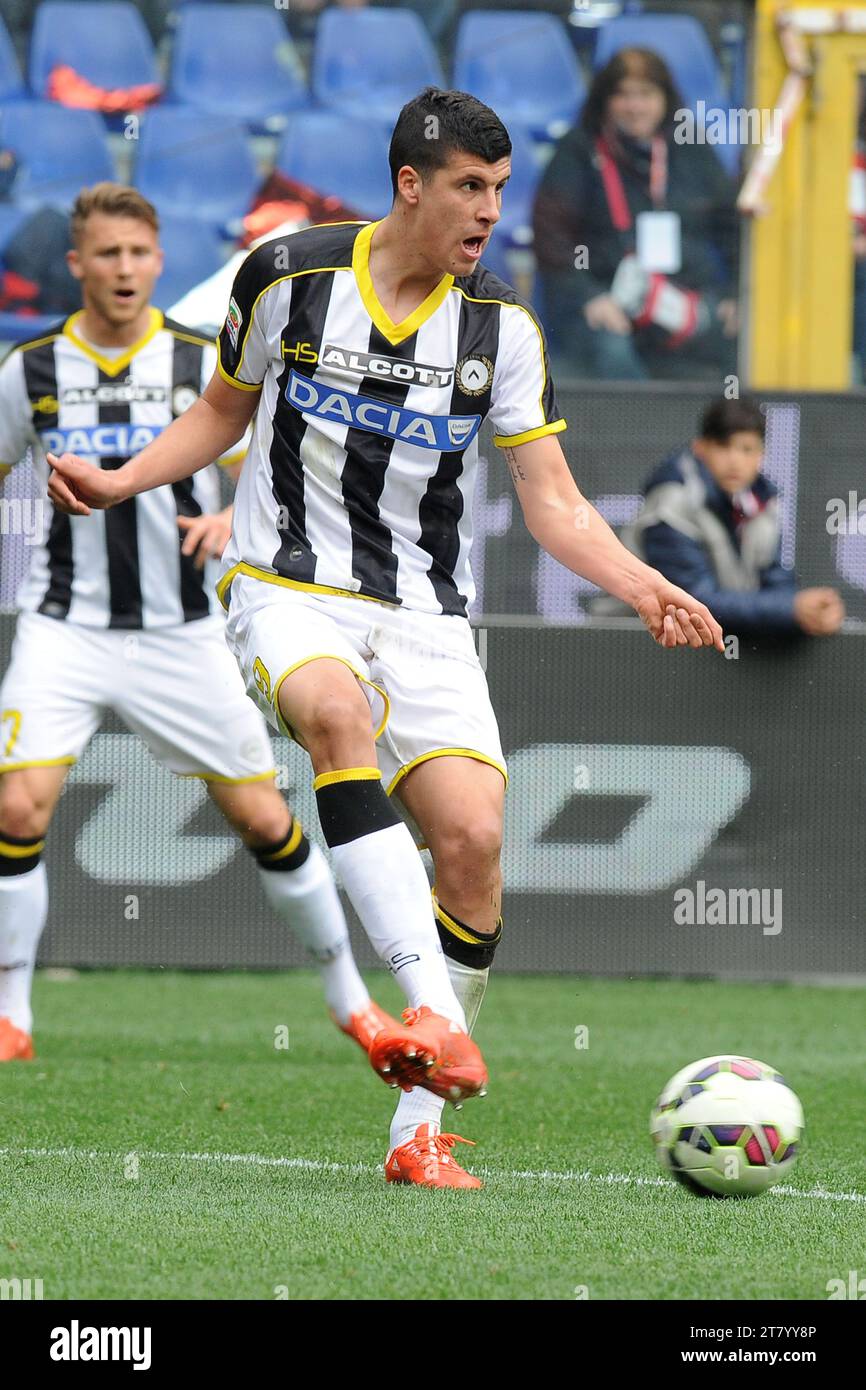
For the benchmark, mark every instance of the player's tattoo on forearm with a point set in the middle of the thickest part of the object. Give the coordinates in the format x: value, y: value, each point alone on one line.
x: 516, y: 471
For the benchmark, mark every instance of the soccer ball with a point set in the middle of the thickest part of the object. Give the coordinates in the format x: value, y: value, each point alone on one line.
x: 727, y: 1126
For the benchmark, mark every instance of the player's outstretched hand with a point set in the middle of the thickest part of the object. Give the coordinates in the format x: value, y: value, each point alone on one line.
x: 206, y: 535
x: 675, y: 619
x: 76, y: 487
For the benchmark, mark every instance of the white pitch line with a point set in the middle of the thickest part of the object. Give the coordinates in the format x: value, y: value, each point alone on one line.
x: 317, y: 1165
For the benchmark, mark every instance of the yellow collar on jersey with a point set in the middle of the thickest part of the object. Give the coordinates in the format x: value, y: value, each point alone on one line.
x: 112, y: 366
x: 394, y: 332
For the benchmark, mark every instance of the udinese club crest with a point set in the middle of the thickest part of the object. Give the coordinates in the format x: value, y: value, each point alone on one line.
x: 474, y: 375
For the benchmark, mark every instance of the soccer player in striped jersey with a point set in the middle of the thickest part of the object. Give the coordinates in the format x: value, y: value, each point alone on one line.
x: 370, y: 354
x: 118, y: 613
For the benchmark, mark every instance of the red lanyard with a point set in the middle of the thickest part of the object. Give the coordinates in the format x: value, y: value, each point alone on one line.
x: 617, y: 204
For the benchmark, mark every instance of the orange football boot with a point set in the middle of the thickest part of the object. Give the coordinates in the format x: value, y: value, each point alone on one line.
x: 15, y: 1044
x: 426, y: 1161
x: 396, y: 1048
x: 447, y: 1061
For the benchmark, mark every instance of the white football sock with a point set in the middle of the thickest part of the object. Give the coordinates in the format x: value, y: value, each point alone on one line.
x: 23, y: 909
x: 419, y: 1107
x: 307, y: 899
x: 414, y: 1108
x: 384, y: 877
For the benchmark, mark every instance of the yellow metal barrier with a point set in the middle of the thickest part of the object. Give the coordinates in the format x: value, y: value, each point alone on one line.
x: 801, y: 263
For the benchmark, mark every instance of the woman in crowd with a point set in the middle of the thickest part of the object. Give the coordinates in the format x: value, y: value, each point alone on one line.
x: 636, y: 235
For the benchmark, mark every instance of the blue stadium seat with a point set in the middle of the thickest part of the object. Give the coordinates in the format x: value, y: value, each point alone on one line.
x: 17, y: 328
x: 515, y: 225
x: 339, y: 155
x: 239, y: 62
x: 59, y: 151
x: 369, y: 63
x: 522, y: 65
x: 11, y: 81
x: 193, y: 251
x: 11, y: 218
x: 192, y: 165
x: 106, y: 42
x: 683, y: 44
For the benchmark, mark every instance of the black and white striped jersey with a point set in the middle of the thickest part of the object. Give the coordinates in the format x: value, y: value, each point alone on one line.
x: 361, y: 470
x: 120, y: 568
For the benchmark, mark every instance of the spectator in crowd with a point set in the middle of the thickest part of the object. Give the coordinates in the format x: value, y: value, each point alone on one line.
x: 636, y: 236
x: 34, y: 276
x: 710, y: 523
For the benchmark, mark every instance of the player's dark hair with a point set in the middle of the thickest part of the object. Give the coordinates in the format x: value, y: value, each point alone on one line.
x: 629, y: 62
x: 722, y: 418
x: 436, y: 124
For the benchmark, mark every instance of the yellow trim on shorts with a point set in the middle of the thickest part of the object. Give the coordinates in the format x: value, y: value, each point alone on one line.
x: 328, y: 656
x: 230, y: 460
x: 291, y: 845
x: 346, y: 774
x: 20, y: 851
x: 37, y: 762
x: 231, y: 781
x: 269, y: 578
x: 446, y: 753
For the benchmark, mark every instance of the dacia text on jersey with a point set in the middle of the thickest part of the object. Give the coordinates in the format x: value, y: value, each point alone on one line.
x: 441, y: 432
x: 100, y: 441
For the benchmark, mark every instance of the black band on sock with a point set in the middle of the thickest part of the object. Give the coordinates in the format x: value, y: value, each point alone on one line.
x: 464, y: 944
x: 352, y: 804
x: 19, y: 856
x: 289, y: 853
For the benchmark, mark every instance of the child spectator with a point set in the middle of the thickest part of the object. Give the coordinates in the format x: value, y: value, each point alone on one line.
x: 710, y: 523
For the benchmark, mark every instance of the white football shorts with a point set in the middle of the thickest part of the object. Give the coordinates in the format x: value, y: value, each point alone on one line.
x: 178, y: 688
x: 420, y: 671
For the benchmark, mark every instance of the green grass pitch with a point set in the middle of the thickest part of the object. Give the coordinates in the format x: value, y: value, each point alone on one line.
x: 162, y: 1146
